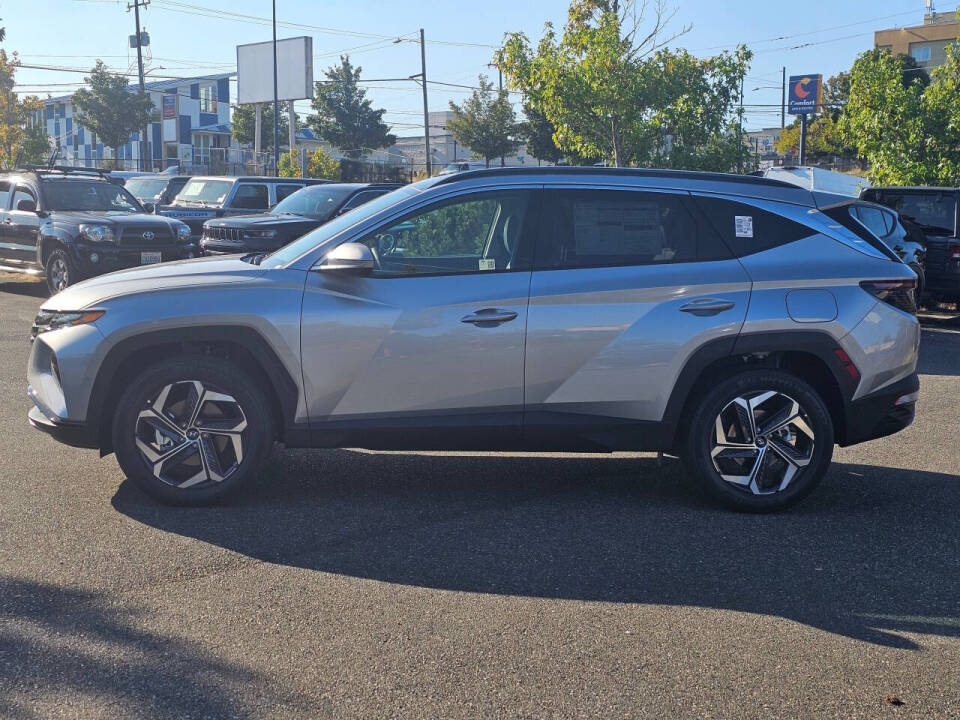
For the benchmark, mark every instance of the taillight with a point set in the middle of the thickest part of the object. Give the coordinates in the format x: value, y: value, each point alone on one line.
x: 955, y: 252
x: 899, y: 293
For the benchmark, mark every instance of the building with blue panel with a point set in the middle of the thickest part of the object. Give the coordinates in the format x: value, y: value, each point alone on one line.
x: 191, y: 129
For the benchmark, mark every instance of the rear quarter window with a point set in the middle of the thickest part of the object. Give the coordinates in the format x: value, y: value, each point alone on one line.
x: 747, y: 229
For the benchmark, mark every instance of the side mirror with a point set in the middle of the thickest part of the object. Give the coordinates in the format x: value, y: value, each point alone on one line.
x: 149, y: 207
x: 26, y: 205
x: 349, y: 257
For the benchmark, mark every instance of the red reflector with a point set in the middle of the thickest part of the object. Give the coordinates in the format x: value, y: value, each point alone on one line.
x: 848, y: 365
x: 955, y: 252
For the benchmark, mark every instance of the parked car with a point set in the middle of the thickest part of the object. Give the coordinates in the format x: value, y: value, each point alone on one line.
x: 934, y: 211
x: 818, y: 179
x: 462, y: 166
x: 70, y: 224
x: 297, y: 214
x: 900, y: 235
x: 204, y: 198
x: 156, y: 189
x: 578, y: 309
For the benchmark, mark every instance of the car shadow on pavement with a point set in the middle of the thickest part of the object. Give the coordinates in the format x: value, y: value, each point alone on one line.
x: 871, y: 554
x: 938, y: 355
x: 72, y: 649
x: 26, y: 287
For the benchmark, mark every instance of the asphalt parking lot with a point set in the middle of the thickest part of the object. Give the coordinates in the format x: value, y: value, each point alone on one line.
x: 361, y: 584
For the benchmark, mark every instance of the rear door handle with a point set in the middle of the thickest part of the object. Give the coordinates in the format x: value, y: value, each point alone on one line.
x: 706, y: 306
x: 489, y: 317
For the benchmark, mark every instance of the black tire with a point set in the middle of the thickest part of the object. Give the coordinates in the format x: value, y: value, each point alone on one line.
x: 250, y: 408
x: 60, y: 270
x: 701, y: 430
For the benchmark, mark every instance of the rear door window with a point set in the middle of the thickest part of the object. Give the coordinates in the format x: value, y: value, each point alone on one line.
x: 22, y: 193
x: 747, y: 229
x: 610, y: 228
x: 251, y: 196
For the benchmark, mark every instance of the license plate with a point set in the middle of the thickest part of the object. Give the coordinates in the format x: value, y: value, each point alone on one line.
x: 148, y: 258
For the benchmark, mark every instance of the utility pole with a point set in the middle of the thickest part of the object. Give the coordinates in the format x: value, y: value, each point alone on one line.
x: 803, y: 139
x: 426, y: 111
x: 740, y: 132
x: 276, y: 102
x: 783, y: 98
x: 144, y: 142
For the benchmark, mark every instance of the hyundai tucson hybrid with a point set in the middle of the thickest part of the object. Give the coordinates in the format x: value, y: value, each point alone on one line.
x: 744, y: 324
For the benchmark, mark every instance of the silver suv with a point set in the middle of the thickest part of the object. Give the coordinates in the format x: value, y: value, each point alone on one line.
x: 744, y: 324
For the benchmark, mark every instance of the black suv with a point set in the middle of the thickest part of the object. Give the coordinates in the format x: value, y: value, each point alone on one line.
x: 934, y: 211
x: 70, y: 223
x: 296, y: 215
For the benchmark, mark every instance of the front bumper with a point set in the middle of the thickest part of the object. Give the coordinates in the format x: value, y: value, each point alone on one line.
x: 97, y: 259
x: 880, y: 414
x: 73, y: 434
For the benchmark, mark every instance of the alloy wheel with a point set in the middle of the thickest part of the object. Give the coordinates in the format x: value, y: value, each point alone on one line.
x: 59, y: 274
x: 191, y: 434
x: 761, y: 441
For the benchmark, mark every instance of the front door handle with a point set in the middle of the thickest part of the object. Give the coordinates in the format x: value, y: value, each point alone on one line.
x: 489, y: 317
x: 706, y: 306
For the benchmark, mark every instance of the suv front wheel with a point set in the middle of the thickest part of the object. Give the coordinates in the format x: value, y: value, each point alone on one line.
x: 60, y: 270
x: 759, y: 441
x: 192, y: 430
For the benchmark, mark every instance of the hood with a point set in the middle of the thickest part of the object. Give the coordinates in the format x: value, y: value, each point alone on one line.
x: 263, y: 219
x: 110, y: 217
x: 149, y: 278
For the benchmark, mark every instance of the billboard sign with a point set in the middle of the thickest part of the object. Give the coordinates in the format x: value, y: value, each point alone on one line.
x: 294, y: 71
x: 806, y: 94
x: 169, y: 106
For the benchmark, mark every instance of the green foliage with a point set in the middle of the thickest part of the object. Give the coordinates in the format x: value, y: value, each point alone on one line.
x: 538, y: 133
x: 322, y: 165
x: 344, y: 116
x: 108, y: 109
x: 243, y: 124
x: 16, y: 134
x: 485, y: 123
x: 612, y: 91
x: 824, y: 139
x: 908, y: 130
x: 289, y: 164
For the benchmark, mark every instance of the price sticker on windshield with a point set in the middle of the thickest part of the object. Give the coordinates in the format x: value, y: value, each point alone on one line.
x: 743, y: 224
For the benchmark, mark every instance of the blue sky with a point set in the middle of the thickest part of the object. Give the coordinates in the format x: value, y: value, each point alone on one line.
x: 188, y: 41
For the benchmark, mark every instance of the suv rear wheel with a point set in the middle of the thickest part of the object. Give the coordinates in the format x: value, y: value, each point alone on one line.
x: 759, y: 441
x: 190, y: 431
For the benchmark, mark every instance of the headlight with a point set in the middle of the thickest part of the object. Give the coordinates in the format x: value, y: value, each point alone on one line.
x: 48, y: 320
x: 97, y: 233
x: 183, y: 232
x: 259, y: 233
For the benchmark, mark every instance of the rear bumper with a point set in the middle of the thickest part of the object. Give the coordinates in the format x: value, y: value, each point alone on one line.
x: 881, y: 413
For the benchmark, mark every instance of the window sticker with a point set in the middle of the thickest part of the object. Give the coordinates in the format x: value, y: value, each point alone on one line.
x: 488, y: 263
x: 743, y: 225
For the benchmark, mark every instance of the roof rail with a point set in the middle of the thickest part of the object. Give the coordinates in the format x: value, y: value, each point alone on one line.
x: 621, y: 171
x: 65, y: 170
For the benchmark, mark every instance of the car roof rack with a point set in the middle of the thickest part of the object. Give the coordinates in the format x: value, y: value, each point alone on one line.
x: 66, y: 170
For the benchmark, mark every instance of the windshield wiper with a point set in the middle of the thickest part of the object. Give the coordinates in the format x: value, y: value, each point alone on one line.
x: 254, y: 258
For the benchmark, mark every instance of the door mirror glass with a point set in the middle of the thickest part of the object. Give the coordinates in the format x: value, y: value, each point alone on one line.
x: 350, y: 258
x: 26, y: 205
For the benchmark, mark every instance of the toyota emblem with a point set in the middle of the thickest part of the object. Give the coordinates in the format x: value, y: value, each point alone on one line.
x: 148, y: 236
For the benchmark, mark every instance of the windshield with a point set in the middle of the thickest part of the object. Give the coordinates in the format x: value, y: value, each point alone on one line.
x: 932, y: 212
x: 82, y: 195
x: 209, y: 192
x: 314, y: 202
x: 146, y: 188
x: 327, y: 231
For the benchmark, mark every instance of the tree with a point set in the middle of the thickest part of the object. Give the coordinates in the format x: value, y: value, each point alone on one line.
x: 485, y: 123
x: 17, y: 134
x: 322, y: 165
x: 612, y: 91
x: 908, y: 130
x: 344, y: 116
x: 824, y: 139
x: 289, y: 164
x: 107, y: 108
x: 538, y: 133
x: 243, y: 125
